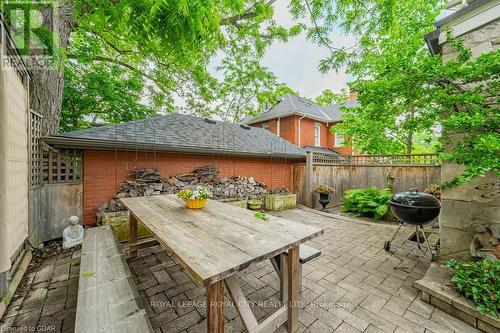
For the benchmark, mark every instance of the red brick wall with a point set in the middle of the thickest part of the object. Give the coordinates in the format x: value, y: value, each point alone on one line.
x: 104, y: 171
x: 289, y: 130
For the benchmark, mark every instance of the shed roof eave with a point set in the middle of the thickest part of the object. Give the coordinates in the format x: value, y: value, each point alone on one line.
x: 92, y: 144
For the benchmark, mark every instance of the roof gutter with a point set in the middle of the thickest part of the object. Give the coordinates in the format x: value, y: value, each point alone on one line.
x: 303, y: 115
x: 91, y: 144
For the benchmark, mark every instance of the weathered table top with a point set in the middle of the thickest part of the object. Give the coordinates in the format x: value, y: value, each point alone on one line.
x: 218, y: 240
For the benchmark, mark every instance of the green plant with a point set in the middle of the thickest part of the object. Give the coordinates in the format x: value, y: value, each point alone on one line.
x: 479, y: 281
x: 261, y: 216
x: 323, y: 189
x: 199, y: 192
x: 372, y: 202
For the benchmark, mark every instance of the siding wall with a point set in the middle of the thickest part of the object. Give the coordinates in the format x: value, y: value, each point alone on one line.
x: 14, y: 170
x: 104, y: 171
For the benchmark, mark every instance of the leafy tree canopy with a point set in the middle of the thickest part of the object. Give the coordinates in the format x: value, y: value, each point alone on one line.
x: 166, y: 47
x: 328, y: 97
x: 404, y: 90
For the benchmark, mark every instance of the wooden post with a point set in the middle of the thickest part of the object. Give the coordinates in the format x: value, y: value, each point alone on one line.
x: 132, y: 235
x: 308, y: 181
x: 293, y: 289
x: 215, y: 307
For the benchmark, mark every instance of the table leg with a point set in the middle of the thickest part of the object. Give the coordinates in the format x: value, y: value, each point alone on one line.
x: 215, y: 307
x: 283, y: 277
x: 293, y: 289
x: 132, y: 236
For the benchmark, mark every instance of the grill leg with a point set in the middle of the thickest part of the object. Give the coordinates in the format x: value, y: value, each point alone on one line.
x: 426, y: 241
x: 394, y: 235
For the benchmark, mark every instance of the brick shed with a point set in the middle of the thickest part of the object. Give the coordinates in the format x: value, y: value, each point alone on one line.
x: 175, y: 144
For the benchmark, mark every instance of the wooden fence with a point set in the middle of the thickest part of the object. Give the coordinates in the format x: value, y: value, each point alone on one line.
x: 354, y: 172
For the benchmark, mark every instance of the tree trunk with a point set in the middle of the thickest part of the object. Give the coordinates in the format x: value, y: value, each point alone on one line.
x: 409, y: 142
x: 47, y: 84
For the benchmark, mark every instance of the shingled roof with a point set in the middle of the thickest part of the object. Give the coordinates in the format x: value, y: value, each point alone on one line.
x: 291, y: 104
x: 181, y: 133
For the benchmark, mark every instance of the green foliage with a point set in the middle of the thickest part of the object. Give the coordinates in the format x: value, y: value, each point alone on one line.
x: 479, y: 281
x: 328, y: 97
x: 101, y: 93
x: 157, y: 52
x: 261, y: 216
x: 88, y: 275
x: 409, y: 96
x: 371, y: 202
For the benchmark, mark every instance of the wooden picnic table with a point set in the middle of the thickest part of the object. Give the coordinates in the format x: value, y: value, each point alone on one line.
x: 217, y: 241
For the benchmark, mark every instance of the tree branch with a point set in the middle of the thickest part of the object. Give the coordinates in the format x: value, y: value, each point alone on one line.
x: 249, y: 13
x: 129, y: 67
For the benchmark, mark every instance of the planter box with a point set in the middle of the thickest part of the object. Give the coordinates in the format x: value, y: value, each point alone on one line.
x: 435, y: 289
x: 119, y: 221
x: 242, y: 203
x: 277, y: 202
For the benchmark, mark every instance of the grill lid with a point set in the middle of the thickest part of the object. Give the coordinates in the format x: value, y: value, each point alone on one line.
x: 414, y: 198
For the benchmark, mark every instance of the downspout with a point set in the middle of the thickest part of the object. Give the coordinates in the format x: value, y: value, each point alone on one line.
x: 303, y: 115
x: 278, y: 127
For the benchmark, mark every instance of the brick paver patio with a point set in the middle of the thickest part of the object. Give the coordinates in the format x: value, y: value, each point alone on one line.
x: 355, y: 286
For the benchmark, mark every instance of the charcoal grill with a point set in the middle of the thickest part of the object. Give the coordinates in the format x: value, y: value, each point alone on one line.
x: 417, y: 209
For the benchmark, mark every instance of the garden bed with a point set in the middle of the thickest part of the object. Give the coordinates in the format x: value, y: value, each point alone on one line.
x: 277, y: 202
x: 436, y: 289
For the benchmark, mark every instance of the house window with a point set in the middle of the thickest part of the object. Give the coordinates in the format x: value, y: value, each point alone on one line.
x: 317, y: 135
x: 265, y: 126
x: 339, y: 140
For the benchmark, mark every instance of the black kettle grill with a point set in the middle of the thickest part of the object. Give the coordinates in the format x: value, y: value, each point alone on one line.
x: 415, y: 208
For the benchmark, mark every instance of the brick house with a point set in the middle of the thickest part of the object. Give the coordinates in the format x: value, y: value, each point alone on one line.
x: 175, y: 144
x: 304, y: 123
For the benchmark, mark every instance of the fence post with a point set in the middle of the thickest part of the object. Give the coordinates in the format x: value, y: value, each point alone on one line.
x: 308, y: 183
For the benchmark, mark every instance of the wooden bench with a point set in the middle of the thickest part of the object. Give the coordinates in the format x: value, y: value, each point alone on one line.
x: 107, y: 298
x: 306, y: 254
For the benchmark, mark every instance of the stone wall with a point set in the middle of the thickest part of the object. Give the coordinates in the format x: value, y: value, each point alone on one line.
x: 479, y: 41
x: 478, y: 200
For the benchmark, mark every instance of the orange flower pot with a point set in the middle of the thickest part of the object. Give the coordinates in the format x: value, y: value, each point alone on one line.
x: 196, y: 203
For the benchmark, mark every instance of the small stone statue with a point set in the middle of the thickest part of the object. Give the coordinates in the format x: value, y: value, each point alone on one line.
x: 73, y: 234
x: 484, y: 244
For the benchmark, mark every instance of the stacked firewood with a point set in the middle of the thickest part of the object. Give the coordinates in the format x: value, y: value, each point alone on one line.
x: 149, y: 182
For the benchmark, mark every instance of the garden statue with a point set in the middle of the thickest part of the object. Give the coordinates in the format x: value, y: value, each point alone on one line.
x: 390, y: 181
x: 485, y: 244
x: 73, y: 234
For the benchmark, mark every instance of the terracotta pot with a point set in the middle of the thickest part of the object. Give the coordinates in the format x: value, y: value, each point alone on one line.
x: 196, y: 203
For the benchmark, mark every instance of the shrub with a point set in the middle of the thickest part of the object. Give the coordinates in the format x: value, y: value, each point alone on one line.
x: 480, y: 282
x: 371, y: 202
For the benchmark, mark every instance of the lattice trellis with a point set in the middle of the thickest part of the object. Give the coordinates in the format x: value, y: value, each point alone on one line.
x: 35, y: 149
x: 62, y: 166
x: 414, y: 159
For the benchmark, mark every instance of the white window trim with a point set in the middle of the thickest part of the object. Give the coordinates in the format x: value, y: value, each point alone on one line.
x: 317, y: 126
x: 336, y: 140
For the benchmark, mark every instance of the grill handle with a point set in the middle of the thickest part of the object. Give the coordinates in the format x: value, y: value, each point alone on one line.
x: 414, y: 190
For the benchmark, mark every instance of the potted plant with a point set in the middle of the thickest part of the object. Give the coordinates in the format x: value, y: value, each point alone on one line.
x: 254, y: 204
x: 195, y: 198
x: 324, y: 194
